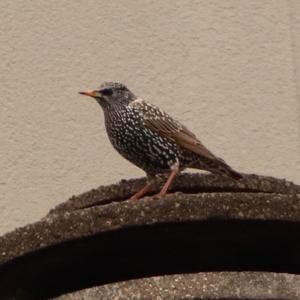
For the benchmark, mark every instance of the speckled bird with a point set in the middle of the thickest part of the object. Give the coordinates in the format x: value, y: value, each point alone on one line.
x: 151, y: 139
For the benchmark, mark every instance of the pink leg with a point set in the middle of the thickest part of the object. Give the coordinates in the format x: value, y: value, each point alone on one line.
x: 141, y: 192
x: 168, y: 183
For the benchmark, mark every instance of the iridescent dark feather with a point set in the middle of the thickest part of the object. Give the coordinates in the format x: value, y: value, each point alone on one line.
x: 150, y: 138
x: 162, y: 123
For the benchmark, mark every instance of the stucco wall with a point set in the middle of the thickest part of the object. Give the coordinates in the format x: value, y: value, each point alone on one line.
x: 230, y: 70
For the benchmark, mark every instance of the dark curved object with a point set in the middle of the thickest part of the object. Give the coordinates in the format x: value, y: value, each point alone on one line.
x: 230, y: 230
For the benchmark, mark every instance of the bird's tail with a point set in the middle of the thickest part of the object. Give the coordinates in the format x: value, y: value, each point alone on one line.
x: 218, y: 166
x: 223, y: 169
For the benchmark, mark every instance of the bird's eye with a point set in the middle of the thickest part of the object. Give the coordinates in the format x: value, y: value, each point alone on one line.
x: 106, y: 92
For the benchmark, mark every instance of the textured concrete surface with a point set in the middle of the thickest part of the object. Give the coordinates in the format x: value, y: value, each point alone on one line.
x: 99, y: 237
x: 98, y: 210
x: 223, y: 285
x: 228, y: 69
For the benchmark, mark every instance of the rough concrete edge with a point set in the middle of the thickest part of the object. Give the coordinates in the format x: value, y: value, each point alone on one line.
x: 188, y: 183
x: 207, y: 198
x: 72, y: 220
x: 177, y: 207
x: 212, y: 285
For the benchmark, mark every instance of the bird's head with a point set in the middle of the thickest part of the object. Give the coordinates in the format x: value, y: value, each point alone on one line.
x: 111, y: 94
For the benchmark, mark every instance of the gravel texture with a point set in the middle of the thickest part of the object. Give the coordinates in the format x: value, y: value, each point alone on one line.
x: 221, y: 285
x: 207, y: 223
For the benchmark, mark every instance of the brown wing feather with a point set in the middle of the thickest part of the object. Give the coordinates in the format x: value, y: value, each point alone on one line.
x: 179, y: 135
x: 160, y: 122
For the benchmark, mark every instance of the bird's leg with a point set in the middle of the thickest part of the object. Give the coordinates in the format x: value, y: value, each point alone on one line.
x: 175, y: 171
x: 168, y: 183
x: 139, y: 194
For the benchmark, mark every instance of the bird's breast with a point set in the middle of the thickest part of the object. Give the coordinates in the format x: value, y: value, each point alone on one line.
x: 137, y: 143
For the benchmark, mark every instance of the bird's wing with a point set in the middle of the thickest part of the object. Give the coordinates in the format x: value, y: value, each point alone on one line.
x: 160, y: 122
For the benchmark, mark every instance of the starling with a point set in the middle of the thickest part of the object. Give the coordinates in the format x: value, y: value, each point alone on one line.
x: 151, y: 139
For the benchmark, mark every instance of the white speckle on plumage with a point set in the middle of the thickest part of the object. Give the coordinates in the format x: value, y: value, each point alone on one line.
x: 149, y: 137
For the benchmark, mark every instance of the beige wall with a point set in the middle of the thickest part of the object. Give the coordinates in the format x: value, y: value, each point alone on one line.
x: 230, y: 70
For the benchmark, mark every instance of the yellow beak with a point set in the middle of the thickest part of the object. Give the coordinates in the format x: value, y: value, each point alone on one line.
x: 90, y: 93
